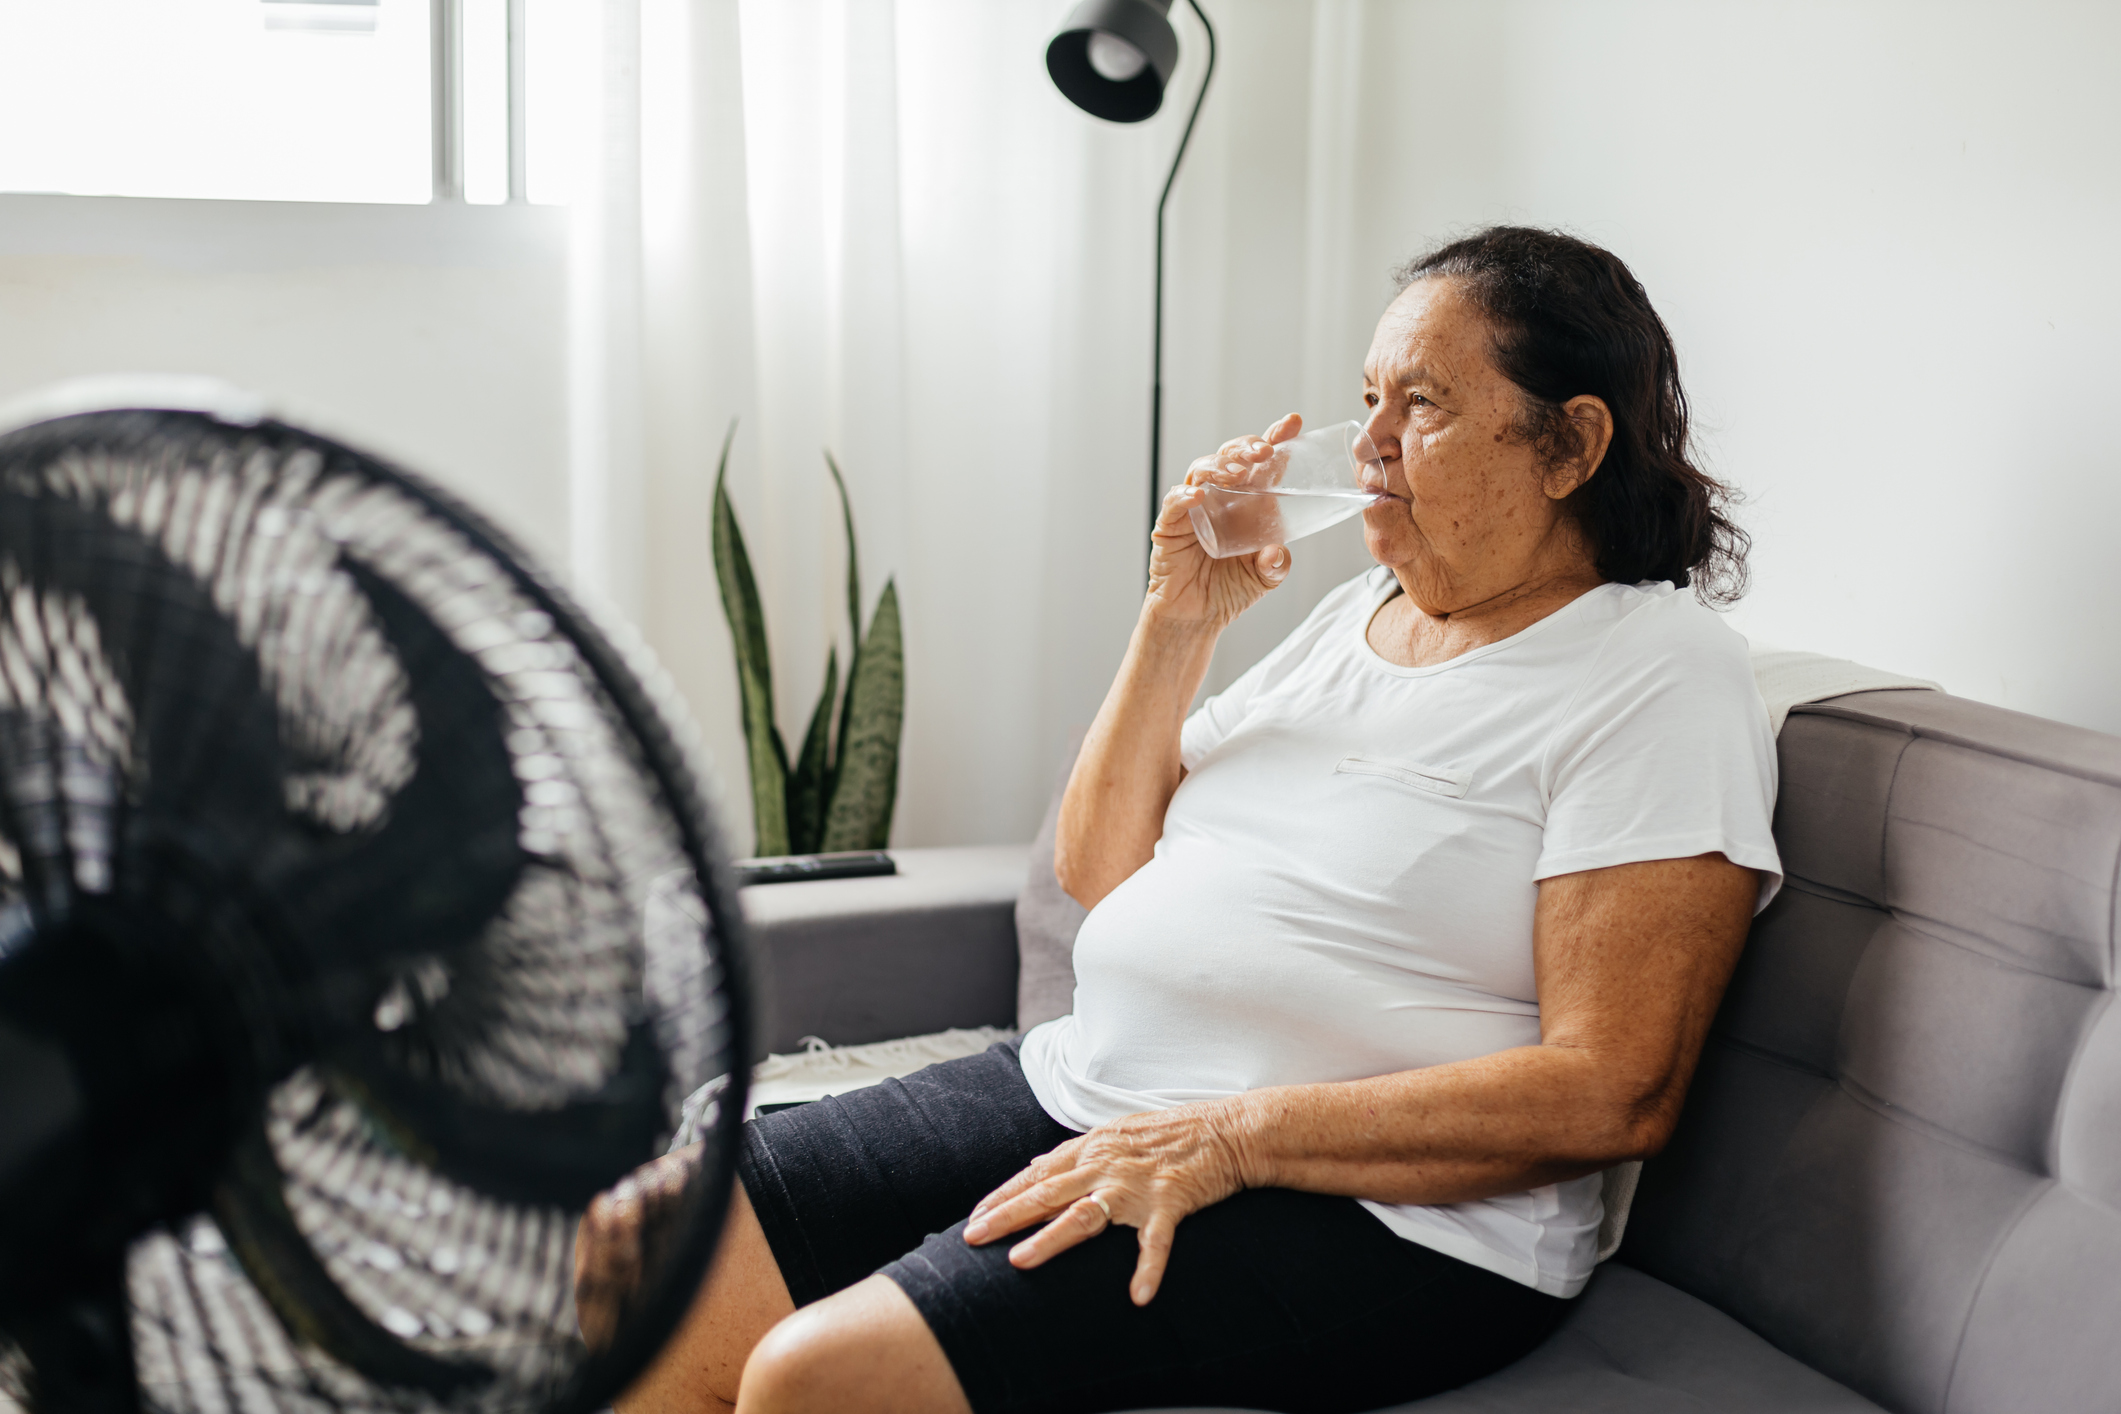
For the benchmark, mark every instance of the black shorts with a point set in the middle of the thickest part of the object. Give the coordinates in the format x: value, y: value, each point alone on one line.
x: 1273, y: 1299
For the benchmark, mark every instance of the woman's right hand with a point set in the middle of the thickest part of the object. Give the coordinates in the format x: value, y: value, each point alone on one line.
x: 1113, y: 812
x: 1188, y: 586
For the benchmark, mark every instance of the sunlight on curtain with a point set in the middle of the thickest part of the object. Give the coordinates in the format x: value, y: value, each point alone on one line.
x: 606, y: 491
x: 875, y: 227
x: 872, y: 227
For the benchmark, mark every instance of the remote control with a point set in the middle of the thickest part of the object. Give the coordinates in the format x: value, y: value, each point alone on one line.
x: 791, y: 868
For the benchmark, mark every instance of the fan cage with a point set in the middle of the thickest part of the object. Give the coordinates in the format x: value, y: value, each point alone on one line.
x: 390, y: 1229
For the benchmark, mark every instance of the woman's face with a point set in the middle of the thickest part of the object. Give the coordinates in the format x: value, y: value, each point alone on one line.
x: 1471, y: 513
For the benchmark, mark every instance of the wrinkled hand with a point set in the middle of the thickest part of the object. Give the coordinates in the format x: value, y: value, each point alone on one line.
x: 1186, y: 584
x: 1150, y: 1170
x: 622, y: 1240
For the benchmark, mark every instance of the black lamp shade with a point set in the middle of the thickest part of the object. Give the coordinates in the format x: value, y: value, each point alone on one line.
x: 1141, y: 23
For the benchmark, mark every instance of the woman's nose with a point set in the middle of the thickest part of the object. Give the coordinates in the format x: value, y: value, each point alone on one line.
x: 1383, y: 432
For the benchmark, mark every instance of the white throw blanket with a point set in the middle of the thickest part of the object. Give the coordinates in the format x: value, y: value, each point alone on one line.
x: 1787, y: 678
x: 819, y: 1070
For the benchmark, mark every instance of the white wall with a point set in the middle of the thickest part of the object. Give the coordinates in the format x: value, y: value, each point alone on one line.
x: 433, y: 334
x: 1883, y: 235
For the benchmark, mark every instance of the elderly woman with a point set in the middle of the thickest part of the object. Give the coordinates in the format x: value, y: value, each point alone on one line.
x: 1393, y: 946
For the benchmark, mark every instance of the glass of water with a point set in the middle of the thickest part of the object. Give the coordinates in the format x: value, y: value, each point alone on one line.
x: 1311, y: 482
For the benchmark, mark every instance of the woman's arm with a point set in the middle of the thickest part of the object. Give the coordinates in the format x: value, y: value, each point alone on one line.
x: 1113, y: 812
x: 1631, y: 963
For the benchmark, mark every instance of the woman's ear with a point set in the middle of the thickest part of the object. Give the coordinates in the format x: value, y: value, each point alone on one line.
x: 1591, y: 422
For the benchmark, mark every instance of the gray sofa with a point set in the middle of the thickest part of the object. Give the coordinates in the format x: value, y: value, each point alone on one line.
x: 1898, y: 1181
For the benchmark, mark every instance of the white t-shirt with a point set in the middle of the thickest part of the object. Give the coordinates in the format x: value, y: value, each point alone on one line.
x: 1347, y: 875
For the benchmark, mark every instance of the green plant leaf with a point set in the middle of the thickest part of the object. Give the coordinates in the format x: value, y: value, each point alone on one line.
x: 765, y: 753
x: 807, y: 786
x: 859, y: 816
x: 854, y: 624
x: 854, y: 573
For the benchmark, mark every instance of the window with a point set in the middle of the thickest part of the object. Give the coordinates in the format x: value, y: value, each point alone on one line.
x: 561, y: 32
x: 289, y: 100
x: 257, y: 99
x: 483, y: 68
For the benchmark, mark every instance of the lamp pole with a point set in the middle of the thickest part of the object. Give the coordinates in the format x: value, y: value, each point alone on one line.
x: 1156, y: 357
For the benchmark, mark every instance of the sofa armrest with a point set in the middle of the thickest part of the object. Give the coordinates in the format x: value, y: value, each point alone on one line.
x: 859, y: 960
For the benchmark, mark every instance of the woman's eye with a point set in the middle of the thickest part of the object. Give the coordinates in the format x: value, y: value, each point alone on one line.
x: 1369, y: 400
x: 1421, y: 402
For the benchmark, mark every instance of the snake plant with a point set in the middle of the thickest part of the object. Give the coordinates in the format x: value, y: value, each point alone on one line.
x: 841, y: 789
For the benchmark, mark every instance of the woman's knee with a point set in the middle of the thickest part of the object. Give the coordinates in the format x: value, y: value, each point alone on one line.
x: 788, y: 1359
x: 864, y: 1351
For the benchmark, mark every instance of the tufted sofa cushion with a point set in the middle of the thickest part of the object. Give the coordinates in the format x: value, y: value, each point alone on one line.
x: 1901, y: 1159
x: 1900, y: 1165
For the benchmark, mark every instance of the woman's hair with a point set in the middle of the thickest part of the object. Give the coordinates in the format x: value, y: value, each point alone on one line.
x: 1569, y: 319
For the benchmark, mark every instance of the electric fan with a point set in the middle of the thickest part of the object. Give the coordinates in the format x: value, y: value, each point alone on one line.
x: 359, y: 920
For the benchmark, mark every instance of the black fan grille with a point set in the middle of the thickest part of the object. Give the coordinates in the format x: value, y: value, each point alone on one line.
x: 351, y: 589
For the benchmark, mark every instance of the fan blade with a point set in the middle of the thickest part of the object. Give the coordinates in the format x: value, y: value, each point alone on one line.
x: 200, y: 706
x: 250, y: 1207
x: 40, y: 1102
x: 81, y: 1354
x: 558, y: 1158
x: 447, y: 857
x: 121, y: 1024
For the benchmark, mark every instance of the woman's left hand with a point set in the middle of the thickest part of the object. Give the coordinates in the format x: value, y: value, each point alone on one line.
x: 1146, y: 1171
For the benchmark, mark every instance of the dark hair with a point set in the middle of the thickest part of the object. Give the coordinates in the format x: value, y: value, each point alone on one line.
x: 1570, y: 318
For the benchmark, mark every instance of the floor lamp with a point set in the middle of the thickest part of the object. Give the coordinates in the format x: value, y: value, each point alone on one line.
x: 1112, y: 59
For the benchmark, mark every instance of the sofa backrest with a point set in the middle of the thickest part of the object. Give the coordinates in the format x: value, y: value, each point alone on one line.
x: 1901, y: 1158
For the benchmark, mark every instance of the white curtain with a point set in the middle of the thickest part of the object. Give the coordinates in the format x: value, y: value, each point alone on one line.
x: 875, y: 227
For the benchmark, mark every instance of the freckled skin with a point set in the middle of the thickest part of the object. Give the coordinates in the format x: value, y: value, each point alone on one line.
x: 1475, y: 532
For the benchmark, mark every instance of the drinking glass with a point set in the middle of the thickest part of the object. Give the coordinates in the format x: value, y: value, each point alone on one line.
x: 1311, y: 482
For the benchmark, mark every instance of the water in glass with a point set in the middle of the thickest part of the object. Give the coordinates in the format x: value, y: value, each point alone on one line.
x: 1238, y: 521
